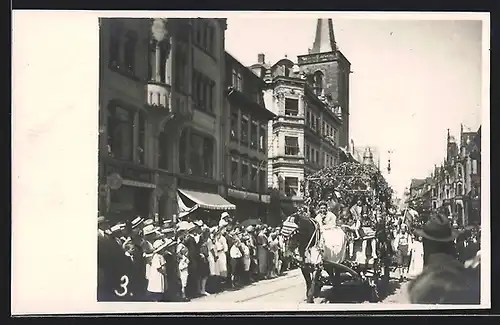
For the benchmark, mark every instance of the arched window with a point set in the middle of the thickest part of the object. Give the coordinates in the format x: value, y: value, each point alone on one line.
x: 318, y: 83
x: 120, y: 130
x: 459, y: 189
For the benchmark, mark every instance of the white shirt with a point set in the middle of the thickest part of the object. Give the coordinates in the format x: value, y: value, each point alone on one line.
x: 329, y: 220
x: 235, y: 252
x: 156, y: 279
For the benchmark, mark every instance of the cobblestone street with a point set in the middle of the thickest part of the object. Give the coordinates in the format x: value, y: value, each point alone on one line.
x: 291, y: 289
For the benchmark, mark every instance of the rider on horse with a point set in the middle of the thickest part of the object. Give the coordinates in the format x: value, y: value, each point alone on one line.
x: 325, y: 218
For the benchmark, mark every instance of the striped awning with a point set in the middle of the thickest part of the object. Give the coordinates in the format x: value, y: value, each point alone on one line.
x: 209, y: 201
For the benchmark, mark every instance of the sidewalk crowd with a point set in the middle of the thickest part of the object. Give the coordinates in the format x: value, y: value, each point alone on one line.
x: 141, y: 261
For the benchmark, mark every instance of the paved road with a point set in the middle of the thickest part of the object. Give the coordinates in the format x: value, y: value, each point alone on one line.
x: 291, y: 289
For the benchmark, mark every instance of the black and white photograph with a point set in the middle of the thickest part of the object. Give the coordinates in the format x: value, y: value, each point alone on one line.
x: 273, y: 159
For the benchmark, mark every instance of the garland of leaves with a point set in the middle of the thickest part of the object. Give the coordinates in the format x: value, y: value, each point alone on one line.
x: 352, y: 181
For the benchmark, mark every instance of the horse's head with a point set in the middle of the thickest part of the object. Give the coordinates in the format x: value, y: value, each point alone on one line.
x: 298, y: 230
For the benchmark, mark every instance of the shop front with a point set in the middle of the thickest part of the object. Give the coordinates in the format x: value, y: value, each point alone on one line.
x: 203, y: 199
x: 128, y: 191
x: 249, y: 205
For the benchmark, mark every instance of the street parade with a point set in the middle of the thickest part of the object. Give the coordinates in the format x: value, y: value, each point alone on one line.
x: 223, y: 180
x: 191, y: 258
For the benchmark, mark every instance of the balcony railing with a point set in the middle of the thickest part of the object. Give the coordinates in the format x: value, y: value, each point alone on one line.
x: 159, y: 96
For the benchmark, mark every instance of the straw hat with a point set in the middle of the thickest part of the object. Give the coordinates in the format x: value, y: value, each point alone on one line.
x: 148, y: 222
x: 185, y: 226
x: 118, y: 228
x: 137, y: 222
x: 199, y: 223
x: 159, y: 245
x: 150, y: 229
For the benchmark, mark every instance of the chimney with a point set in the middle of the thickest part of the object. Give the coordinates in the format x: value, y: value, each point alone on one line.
x: 261, y: 58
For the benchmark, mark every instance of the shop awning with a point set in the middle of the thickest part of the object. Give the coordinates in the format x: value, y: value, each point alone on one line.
x: 208, y: 201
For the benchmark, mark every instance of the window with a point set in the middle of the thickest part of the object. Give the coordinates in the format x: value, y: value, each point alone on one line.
x: 244, y: 129
x: 434, y: 205
x: 459, y: 171
x: 244, y: 175
x: 121, y: 129
x: 234, y: 172
x: 313, y: 156
x: 114, y: 44
x: 197, y: 153
x: 253, y: 179
x: 129, y: 50
x: 141, y: 156
x: 318, y: 83
x: 291, y: 146
x: 318, y: 125
x: 183, y: 152
x: 313, y: 122
x: 324, y: 131
x: 203, y: 89
x: 208, y: 157
x: 204, y: 35
x: 253, y: 134
x: 180, y: 68
x: 459, y: 189
x: 163, y: 150
x: 291, y: 186
x: 234, y: 126
x: 307, y: 152
x: 291, y: 107
x: 286, y: 70
x: 308, y: 119
x: 237, y: 80
x: 317, y: 157
x: 262, y: 138
x: 262, y: 181
x: 474, y: 166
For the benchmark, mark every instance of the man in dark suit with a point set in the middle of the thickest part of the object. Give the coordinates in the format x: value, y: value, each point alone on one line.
x: 444, y: 280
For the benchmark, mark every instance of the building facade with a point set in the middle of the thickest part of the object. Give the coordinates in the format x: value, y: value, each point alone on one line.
x: 454, y: 187
x: 161, y: 106
x: 310, y: 100
x: 246, y: 148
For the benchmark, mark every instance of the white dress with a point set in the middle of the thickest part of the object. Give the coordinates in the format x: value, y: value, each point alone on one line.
x: 221, y: 250
x: 417, y: 258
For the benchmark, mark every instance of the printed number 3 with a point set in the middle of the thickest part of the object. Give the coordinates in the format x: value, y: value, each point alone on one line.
x: 124, y: 281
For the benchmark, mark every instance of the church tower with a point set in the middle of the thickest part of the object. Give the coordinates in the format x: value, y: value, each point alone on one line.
x: 327, y: 71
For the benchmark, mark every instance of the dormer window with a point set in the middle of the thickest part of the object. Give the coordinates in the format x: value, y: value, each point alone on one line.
x: 318, y: 83
x: 286, y: 71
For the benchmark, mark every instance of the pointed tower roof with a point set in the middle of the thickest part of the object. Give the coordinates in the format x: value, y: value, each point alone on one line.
x: 324, y: 40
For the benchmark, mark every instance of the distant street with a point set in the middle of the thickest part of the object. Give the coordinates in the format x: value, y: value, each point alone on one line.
x: 291, y: 289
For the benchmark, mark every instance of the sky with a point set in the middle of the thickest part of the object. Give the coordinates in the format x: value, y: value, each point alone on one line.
x: 412, y: 79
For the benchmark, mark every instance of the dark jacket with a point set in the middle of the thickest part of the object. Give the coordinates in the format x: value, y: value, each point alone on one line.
x: 444, y: 280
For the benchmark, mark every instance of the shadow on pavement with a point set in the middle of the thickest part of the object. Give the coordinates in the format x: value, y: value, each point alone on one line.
x: 355, y: 292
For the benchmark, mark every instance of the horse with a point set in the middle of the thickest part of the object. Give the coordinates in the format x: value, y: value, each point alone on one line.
x: 306, y: 237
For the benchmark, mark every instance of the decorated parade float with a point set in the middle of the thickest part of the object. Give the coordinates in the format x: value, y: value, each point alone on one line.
x: 358, y: 248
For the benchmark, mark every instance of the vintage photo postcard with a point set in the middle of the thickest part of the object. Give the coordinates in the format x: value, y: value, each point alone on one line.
x: 250, y: 161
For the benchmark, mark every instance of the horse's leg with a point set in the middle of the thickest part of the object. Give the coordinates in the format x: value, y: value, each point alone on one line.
x: 307, y: 277
x: 313, y: 286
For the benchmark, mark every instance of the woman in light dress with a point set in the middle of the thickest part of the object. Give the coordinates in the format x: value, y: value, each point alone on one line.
x: 182, y: 253
x: 417, y: 258
x: 221, y: 250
